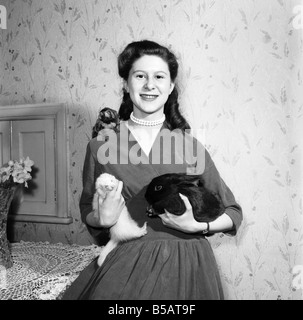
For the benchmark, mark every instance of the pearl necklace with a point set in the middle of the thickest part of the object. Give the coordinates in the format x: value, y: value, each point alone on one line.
x: 147, y: 123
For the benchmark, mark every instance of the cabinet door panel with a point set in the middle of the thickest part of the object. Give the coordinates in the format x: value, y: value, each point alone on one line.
x: 4, y: 142
x: 40, y: 132
x: 35, y: 138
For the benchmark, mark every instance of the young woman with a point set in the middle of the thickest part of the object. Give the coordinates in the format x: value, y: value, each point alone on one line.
x: 174, y: 260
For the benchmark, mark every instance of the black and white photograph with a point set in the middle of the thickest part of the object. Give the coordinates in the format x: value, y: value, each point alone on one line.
x: 151, y: 150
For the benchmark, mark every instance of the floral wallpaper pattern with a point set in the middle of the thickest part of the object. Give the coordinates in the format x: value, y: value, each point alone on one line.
x: 241, y: 82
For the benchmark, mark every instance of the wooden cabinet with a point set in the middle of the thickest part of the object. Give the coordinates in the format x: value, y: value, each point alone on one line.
x: 38, y: 131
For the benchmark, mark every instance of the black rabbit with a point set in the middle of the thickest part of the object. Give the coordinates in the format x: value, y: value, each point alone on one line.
x: 163, y: 193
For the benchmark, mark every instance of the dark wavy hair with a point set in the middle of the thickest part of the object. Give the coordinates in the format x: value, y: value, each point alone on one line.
x: 126, y: 59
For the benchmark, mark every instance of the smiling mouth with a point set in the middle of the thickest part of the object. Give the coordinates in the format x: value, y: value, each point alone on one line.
x: 148, y: 96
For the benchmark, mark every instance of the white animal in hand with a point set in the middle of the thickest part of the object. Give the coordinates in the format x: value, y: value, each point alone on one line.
x: 125, y: 228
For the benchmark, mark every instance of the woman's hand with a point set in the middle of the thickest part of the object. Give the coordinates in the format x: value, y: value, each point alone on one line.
x: 109, y: 210
x: 186, y: 222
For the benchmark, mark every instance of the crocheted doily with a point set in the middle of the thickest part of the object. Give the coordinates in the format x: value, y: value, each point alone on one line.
x: 42, y: 270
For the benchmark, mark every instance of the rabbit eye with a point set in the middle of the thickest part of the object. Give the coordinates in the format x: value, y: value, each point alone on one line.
x: 158, y: 188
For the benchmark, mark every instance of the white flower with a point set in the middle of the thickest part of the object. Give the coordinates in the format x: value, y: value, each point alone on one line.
x: 16, y: 172
x: 28, y: 163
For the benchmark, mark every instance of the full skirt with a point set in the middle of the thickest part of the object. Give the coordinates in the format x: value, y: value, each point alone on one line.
x: 162, y: 268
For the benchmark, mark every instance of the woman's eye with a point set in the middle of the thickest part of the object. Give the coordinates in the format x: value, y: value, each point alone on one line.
x: 140, y: 76
x: 160, y: 77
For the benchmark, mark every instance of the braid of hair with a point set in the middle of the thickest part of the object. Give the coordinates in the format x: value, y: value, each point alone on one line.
x: 126, y: 106
x: 174, y: 119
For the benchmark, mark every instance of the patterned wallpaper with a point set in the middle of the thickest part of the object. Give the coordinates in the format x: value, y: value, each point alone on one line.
x: 241, y: 81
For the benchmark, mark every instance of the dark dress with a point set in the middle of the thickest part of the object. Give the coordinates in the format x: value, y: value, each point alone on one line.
x: 166, y: 263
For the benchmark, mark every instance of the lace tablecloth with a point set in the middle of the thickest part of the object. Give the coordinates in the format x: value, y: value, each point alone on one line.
x: 42, y: 270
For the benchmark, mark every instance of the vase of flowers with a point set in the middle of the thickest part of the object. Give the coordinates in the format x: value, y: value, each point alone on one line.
x: 11, y: 175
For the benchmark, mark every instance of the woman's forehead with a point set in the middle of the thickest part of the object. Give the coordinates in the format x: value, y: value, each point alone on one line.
x: 150, y: 63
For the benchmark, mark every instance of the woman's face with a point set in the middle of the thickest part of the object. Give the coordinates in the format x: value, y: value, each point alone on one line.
x: 149, y: 85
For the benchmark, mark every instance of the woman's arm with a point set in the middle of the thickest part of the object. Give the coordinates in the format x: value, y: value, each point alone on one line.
x: 88, y: 181
x: 221, y: 224
x: 97, y: 227
x: 187, y: 223
x: 91, y: 170
x: 228, y: 223
x: 213, y: 182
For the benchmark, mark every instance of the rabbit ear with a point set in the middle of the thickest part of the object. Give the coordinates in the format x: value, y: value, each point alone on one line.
x: 196, y: 182
x: 193, y: 180
x: 175, y: 205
